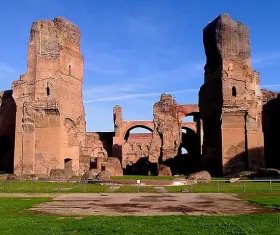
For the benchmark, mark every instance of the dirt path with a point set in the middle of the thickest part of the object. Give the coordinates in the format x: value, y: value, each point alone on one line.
x: 84, y: 204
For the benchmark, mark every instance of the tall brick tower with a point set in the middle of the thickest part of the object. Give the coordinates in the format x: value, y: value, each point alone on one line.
x: 118, y: 138
x: 230, y: 100
x: 50, y: 120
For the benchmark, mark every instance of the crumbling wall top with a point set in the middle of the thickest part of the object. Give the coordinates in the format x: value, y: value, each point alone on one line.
x: 268, y: 95
x: 227, y: 39
x: 58, y: 31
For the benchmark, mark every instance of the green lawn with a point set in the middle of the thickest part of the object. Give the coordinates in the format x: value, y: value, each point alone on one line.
x: 212, y: 187
x: 143, y: 177
x: 50, y: 187
x: 152, y: 177
x: 225, y: 187
x: 14, y: 219
x: 268, y: 200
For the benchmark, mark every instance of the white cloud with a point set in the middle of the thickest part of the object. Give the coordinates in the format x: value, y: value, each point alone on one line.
x: 7, y: 69
x: 133, y: 96
x: 103, y: 62
x: 273, y: 85
x: 267, y: 57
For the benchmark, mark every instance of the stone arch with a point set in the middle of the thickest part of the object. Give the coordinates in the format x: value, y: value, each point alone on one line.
x: 134, y: 150
x: 69, y: 123
x: 127, y: 130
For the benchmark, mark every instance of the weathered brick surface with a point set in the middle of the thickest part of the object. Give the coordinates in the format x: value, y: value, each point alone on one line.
x: 230, y: 100
x: 167, y: 134
x: 50, y: 129
x: 137, y: 150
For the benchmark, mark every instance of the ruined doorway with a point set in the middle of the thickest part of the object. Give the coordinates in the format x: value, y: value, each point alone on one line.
x: 136, y: 146
x: 68, y: 164
x: 93, y: 163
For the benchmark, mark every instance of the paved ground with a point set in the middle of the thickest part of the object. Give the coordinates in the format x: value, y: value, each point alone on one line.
x: 82, y: 204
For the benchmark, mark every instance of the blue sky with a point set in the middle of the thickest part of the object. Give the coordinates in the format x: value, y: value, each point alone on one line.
x: 135, y: 50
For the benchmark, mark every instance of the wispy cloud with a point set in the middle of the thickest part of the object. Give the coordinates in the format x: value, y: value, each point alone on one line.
x: 103, y: 62
x: 7, y: 75
x: 182, y: 73
x: 140, y: 95
x: 133, y: 96
x: 7, y: 69
x: 266, y: 57
x: 113, y: 89
x: 273, y: 85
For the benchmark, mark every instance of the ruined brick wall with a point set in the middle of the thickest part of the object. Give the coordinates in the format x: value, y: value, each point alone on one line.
x: 107, y: 141
x: 7, y: 131
x: 129, y: 147
x: 167, y: 134
x: 49, y: 98
x: 93, y: 152
x: 118, y: 138
x: 167, y: 138
x: 230, y: 100
x: 135, y: 149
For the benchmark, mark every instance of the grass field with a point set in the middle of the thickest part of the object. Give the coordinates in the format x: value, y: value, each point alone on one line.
x: 15, y: 219
x: 152, y: 177
x: 143, y: 177
x: 268, y: 200
x: 212, y: 187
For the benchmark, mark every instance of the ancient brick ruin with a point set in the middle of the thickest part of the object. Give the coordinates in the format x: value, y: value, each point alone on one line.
x: 230, y: 100
x: 140, y: 153
x: 42, y: 120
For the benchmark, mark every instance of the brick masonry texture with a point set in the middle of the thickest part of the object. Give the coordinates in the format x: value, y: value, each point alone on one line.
x: 42, y: 118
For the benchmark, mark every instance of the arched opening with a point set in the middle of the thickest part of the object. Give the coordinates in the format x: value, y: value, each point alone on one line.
x: 48, y: 91
x: 187, y: 160
x: 184, y: 150
x: 93, y: 163
x: 135, y: 150
x: 137, y: 130
x: 233, y: 91
x: 68, y: 164
x: 69, y: 70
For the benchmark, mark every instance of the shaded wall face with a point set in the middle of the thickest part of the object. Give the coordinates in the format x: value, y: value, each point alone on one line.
x: 107, y: 141
x: 211, y: 101
x: 271, y: 126
x: 188, y: 159
x: 7, y: 132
